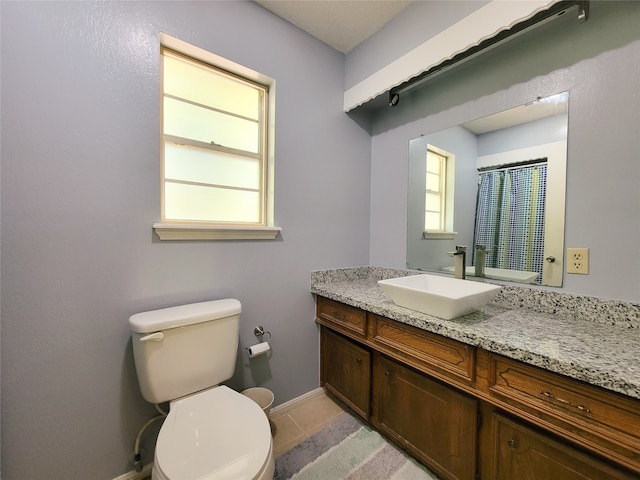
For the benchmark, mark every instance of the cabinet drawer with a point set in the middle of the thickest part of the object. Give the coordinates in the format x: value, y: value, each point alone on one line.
x: 595, y: 412
x: 351, y: 319
x: 424, y: 349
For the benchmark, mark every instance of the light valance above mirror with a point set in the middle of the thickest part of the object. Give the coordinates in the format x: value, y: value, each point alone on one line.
x: 487, y: 27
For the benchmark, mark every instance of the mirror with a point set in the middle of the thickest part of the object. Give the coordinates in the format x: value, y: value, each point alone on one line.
x: 498, y: 183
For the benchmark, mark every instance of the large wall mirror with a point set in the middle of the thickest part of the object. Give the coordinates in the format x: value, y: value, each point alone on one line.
x: 497, y: 186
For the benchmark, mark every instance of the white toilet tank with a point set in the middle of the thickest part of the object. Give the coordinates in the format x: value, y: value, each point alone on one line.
x: 185, y: 349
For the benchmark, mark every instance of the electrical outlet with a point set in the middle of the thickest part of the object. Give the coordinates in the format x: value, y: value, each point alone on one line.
x: 578, y: 260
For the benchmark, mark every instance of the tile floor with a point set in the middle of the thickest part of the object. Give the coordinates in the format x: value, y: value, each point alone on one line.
x: 292, y: 425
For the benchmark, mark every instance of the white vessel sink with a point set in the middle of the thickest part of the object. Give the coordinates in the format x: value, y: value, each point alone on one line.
x: 442, y: 297
x: 520, y: 276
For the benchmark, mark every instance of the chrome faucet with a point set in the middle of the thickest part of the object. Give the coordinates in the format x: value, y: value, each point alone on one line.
x: 460, y: 256
x: 480, y: 260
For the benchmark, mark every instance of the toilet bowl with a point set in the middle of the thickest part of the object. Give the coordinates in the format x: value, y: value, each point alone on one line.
x: 217, y: 433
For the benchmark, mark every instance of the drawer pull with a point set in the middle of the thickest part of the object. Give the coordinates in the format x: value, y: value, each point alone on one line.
x: 338, y: 315
x: 512, y: 443
x: 358, y: 360
x: 552, y: 396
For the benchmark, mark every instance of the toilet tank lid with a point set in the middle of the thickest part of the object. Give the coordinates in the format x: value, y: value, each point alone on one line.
x: 182, y: 315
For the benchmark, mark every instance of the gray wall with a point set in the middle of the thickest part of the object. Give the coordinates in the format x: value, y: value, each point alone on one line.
x: 531, y: 134
x: 80, y: 192
x: 599, y: 64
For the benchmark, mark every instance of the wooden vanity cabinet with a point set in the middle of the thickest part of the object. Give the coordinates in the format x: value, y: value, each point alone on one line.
x: 435, y: 423
x: 345, y: 371
x: 470, y: 414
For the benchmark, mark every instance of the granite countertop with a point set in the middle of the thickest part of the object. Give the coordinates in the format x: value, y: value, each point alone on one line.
x: 573, y: 338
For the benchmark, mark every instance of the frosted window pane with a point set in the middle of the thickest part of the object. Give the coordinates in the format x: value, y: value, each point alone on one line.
x: 433, y: 164
x: 193, y: 202
x: 432, y: 221
x: 205, y: 166
x: 433, y: 202
x: 196, y: 123
x: 433, y: 183
x: 204, y: 86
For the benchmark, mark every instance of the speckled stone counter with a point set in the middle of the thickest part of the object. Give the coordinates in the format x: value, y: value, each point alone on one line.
x: 589, y: 339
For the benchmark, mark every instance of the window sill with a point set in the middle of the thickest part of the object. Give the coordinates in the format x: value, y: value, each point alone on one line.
x: 167, y: 231
x: 437, y: 235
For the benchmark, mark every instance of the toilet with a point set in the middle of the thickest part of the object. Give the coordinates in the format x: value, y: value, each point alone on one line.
x: 211, y: 432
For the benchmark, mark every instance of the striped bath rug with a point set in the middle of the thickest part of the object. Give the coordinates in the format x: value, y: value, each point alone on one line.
x: 348, y: 450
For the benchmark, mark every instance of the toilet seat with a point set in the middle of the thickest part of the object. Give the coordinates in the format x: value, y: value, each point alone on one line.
x: 214, y: 434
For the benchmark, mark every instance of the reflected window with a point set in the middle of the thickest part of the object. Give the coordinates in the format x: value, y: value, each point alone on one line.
x: 439, y: 181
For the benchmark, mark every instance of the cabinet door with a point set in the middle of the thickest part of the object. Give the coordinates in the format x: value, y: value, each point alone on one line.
x: 521, y: 453
x: 346, y: 371
x: 436, y: 423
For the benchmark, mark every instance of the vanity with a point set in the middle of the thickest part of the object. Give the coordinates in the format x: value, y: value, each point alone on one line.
x: 503, y: 393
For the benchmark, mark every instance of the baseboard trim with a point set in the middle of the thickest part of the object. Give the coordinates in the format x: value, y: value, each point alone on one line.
x: 133, y: 475
x: 294, y: 402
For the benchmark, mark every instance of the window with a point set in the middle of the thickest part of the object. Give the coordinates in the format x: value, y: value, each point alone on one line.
x: 439, y: 181
x: 435, y: 200
x: 216, y: 174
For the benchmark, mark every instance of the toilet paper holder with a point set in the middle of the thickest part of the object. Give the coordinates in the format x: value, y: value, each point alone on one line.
x: 260, y: 332
x: 262, y: 347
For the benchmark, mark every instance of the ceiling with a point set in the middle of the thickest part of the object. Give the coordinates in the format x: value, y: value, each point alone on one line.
x: 540, y: 108
x: 341, y: 24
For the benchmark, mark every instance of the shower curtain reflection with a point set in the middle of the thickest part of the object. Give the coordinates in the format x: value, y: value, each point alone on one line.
x: 510, y: 217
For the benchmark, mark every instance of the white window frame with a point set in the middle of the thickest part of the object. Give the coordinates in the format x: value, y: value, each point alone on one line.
x: 447, y: 182
x: 212, y: 231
